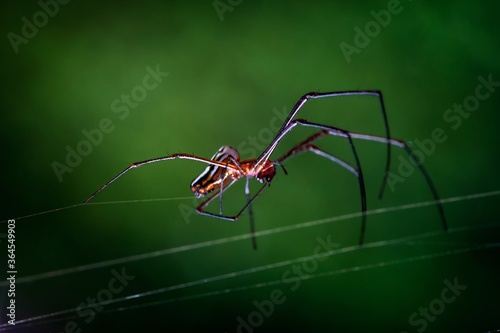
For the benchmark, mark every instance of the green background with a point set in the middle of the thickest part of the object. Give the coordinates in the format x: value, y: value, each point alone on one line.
x: 226, y: 76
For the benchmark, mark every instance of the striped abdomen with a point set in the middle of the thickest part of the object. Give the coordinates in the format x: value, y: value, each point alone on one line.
x: 213, y: 176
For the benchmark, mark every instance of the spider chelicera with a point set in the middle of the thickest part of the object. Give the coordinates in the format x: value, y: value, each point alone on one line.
x: 225, y: 167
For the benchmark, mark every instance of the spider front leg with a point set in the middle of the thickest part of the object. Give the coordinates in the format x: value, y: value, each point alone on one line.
x: 156, y: 160
x: 288, y: 124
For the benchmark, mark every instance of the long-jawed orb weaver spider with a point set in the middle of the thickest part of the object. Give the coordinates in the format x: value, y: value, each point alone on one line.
x: 225, y: 167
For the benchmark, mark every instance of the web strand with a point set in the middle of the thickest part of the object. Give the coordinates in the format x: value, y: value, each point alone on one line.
x: 409, y: 240
x: 220, y: 241
x: 95, y: 203
x: 51, y: 317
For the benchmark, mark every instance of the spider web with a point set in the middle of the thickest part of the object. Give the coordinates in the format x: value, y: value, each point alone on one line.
x: 120, y: 304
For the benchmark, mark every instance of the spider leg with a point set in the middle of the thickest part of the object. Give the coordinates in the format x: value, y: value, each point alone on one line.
x: 160, y: 159
x: 247, y: 195
x: 398, y: 143
x: 222, y: 176
x: 307, y: 146
x: 201, y: 208
x: 313, y: 95
x: 314, y: 149
x: 250, y: 213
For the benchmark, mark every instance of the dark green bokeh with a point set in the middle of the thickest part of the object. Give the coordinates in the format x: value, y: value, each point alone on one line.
x: 225, y: 79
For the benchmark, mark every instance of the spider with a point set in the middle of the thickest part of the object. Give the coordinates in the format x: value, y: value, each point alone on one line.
x: 225, y: 167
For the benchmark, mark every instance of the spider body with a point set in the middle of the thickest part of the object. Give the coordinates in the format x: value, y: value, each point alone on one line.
x: 225, y: 167
x: 217, y: 177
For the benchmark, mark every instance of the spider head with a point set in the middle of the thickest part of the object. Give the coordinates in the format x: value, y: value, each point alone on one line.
x: 267, y: 173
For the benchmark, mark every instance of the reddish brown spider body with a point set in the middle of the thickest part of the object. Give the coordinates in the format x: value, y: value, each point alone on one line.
x: 215, y: 177
x: 225, y: 167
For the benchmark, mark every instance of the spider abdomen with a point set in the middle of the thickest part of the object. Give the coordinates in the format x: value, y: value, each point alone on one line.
x: 214, y: 175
